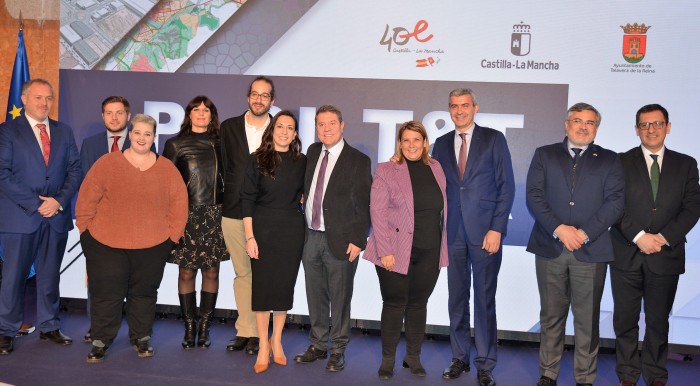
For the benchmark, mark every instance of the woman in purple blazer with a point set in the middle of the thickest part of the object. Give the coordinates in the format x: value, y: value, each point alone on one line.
x: 408, y: 242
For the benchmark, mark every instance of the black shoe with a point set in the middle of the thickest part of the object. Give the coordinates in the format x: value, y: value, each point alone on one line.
x: 416, y: 368
x: 237, y: 344
x: 310, y: 355
x: 336, y: 363
x: 143, y: 348
x: 546, y: 381
x: 97, y: 354
x: 584, y: 384
x: 56, y: 336
x: 6, y: 344
x: 386, y: 370
x: 485, y: 378
x: 251, y: 348
x: 88, y: 337
x: 457, y: 367
x: 385, y: 374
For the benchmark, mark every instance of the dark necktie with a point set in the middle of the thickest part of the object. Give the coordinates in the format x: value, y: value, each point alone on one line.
x: 577, y: 156
x: 45, y: 142
x: 654, y: 174
x: 462, y: 162
x: 318, y: 193
x: 115, y: 144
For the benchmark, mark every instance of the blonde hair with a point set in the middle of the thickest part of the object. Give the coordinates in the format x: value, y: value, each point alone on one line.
x: 418, y: 128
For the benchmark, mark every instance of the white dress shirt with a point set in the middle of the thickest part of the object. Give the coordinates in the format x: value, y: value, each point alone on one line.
x: 333, y: 154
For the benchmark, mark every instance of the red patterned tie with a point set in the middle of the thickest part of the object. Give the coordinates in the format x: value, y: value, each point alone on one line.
x: 45, y: 142
x: 115, y: 144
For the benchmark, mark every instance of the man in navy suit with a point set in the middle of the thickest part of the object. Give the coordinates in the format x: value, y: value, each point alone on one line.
x: 39, y: 175
x: 116, y: 113
x: 662, y: 206
x: 480, y: 193
x: 575, y: 192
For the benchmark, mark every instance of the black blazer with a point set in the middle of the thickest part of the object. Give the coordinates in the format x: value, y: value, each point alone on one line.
x: 235, y: 154
x: 675, y: 212
x: 346, y: 199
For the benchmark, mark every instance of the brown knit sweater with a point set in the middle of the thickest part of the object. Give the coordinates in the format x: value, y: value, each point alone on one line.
x: 124, y: 207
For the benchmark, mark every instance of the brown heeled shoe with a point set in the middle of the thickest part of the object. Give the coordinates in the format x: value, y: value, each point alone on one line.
x: 260, y: 367
x: 280, y: 360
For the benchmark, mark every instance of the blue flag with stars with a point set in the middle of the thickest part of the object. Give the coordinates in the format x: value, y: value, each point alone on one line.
x: 20, y: 74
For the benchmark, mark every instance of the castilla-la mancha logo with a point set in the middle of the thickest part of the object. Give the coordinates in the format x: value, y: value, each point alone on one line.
x: 634, y: 42
x: 520, y: 39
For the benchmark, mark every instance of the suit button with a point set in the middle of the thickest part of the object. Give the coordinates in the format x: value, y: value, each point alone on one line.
x: 653, y: 209
x: 571, y: 203
x: 397, y: 229
x: 47, y: 178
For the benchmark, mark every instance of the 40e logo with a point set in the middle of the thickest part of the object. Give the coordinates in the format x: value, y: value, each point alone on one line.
x: 400, y: 35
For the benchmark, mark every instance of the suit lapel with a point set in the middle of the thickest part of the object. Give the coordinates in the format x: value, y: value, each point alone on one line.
x: 56, y: 139
x: 403, y: 179
x: 26, y: 132
x: 474, y: 150
x: 669, y: 169
x: 311, y: 160
x: 452, y: 168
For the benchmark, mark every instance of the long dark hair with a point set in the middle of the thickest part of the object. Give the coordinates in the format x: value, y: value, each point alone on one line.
x: 212, y: 129
x: 267, y: 158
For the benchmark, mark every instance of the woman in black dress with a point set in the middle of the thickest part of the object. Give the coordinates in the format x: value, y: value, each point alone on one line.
x: 274, y: 229
x: 196, y: 152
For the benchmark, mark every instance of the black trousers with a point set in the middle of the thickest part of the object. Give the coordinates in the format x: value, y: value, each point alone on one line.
x: 115, y: 274
x: 406, y: 297
x: 630, y: 289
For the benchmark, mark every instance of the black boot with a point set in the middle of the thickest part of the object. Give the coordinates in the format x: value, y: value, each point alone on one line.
x: 207, y: 303
x: 392, y: 320
x: 414, y: 326
x: 188, y: 307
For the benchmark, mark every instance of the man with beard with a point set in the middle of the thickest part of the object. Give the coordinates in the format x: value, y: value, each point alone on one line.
x: 240, y: 136
x: 115, y: 114
x: 575, y: 192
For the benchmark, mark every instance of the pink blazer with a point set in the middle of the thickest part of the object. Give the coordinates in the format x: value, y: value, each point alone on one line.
x: 391, y: 209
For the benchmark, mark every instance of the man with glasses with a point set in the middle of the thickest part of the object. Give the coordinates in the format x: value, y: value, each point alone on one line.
x: 662, y: 206
x: 575, y: 192
x: 240, y: 136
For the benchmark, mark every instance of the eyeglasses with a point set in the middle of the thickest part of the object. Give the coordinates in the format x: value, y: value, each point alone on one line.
x: 648, y: 125
x: 263, y: 96
x: 588, y: 124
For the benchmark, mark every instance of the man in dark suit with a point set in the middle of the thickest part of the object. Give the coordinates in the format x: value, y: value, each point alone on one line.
x: 39, y: 175
x: 575, y: 192
x: 337, y: 189
x: 241, y: 136
x: 116, y: 113
x: 649, y: 244
x: 480, y: 193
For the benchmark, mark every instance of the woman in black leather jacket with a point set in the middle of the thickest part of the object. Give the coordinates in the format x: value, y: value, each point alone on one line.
x: 196, y: 152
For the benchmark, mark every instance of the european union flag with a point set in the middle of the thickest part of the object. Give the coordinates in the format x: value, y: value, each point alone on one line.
x: 20, y: 75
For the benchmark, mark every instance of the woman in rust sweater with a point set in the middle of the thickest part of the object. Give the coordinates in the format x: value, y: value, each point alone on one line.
x: 131, y: 209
